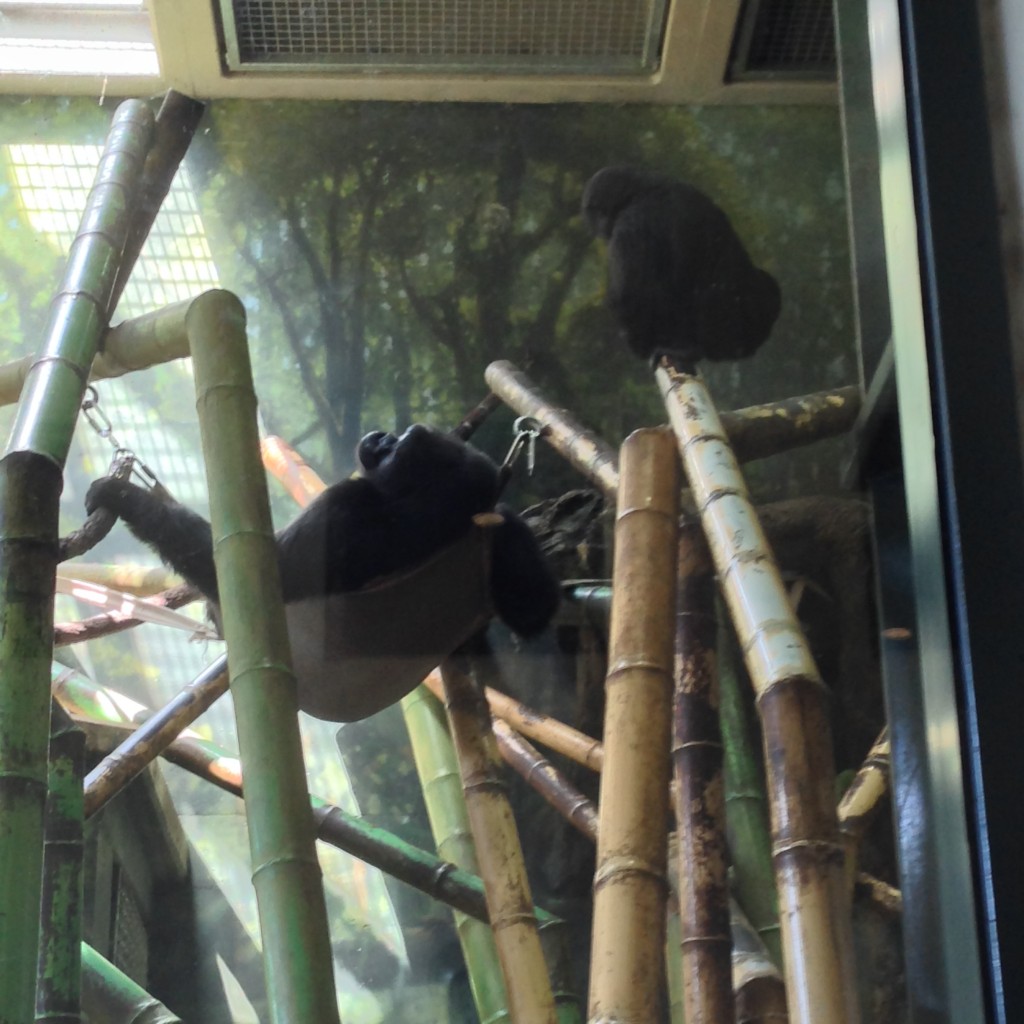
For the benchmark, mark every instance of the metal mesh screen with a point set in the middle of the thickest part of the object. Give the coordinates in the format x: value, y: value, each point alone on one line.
x: 785, y: 38
x: 540, y: 35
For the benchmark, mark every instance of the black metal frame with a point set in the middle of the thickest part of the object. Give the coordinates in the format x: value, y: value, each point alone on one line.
x: 950, y: 534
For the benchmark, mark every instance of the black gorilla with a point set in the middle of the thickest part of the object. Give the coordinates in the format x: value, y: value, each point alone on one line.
x: 417, y: 494
x: 679, y: 280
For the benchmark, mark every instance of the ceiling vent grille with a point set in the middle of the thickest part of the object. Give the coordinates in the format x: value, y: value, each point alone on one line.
x: 784, y: 39
x: 494, y: 36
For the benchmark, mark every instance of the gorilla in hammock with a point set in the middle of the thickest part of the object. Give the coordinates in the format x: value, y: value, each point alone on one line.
x: 680, y: 282
x: 416, y: 495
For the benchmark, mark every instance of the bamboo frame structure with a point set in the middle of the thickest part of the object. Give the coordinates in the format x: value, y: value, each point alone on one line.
x: 627, y: 951
x: 702, y: 868
x: 498, y: 851
x: 286, y: 875
x: 30, y: 482
x: 59, y: 974
x: 792, y: 702
x: 756, y: 432
x: 379, y: 848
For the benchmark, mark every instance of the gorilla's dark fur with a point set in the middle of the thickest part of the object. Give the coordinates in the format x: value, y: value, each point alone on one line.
x: 679, y: 279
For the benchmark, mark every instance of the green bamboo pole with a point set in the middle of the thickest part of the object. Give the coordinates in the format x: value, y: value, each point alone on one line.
x: 817, y: 934
x: 60, y: 967
x: 706, y: 943
x: 111, y: 997
x: 30, y: 483
x: 133, y: 344
x: 289, y: 890
x: 630, y: 885
x: 746, y: 806
x: 438, y: 771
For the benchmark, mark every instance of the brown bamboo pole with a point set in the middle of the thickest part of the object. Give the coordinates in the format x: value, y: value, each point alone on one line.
x: 498, y: 851
x: 627, y: 955
x: 546, y: 779
x: 286, y: 875
x: 553, y: 734
x: 699, y: 789
x: 792, y: 703
x: 762, y: 430
x: 106, y: 623
x: 150, y: 740
x: 590, y: 454
x: 862, y: 799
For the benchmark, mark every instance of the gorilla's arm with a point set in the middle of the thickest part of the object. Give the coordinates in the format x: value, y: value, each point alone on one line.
x: 523, y: 588
x: 179, y: 536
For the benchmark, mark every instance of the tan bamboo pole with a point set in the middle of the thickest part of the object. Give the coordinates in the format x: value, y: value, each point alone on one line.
x: 883, y: 895
x: 553, y: 734
x: 590, y: 454
x: 703, y: 888
x: 153, y: 737
x: 862, y: 798
x: 627, y: 955
x: 546, y: 779
x: 137, y: 580
x: 760, y: 993
x: 792, y: 703
x: 499, y: 853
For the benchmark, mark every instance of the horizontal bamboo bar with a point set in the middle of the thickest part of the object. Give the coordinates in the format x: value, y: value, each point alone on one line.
x: 792, y: 703
x: 133, y: 345
x: 762, y: 430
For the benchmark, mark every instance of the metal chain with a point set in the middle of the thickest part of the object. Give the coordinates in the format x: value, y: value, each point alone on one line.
x: 100, y: 423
